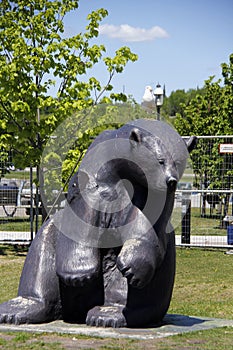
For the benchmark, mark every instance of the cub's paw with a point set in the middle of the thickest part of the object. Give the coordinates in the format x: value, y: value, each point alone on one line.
x: 24, y: 310
x: 106, y: 316
x: 79, y: 278
x: 137, y: 262
x: 79, y: 270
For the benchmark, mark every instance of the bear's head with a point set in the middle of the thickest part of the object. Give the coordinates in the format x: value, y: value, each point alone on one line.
x: 156, y: 151
x: 148, y: 152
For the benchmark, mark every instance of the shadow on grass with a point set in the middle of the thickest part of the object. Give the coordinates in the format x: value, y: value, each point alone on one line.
x: 8, y: 219
x: 182, y: 320
x: 13, y: 249
x: 176, y: 320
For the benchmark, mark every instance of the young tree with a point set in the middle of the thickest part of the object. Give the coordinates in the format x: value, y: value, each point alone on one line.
x: 35, y: 55
x: 33, y: 52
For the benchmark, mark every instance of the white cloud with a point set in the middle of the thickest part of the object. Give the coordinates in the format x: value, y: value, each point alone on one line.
x: 128, y: 33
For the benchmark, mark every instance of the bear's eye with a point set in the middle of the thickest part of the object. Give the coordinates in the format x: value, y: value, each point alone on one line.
x: 161, y: 161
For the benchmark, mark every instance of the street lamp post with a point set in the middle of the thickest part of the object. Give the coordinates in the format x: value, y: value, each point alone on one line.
x: 158, y: 93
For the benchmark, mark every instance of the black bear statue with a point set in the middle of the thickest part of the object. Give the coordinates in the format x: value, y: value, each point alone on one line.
x: 108, y: 258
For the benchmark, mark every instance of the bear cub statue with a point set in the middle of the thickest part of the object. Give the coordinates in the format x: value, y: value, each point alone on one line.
x: 108, y: 258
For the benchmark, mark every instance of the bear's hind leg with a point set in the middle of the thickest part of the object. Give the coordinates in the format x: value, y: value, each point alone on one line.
x: 38, y: 295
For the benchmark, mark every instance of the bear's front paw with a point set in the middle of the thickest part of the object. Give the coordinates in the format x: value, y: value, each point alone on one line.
x: 137, y: 262
x: 106, y: 316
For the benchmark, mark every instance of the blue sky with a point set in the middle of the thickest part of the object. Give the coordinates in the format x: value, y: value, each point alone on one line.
x: 180, y: 43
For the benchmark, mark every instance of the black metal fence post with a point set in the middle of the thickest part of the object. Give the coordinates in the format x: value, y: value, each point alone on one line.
x: 186, y: 219
x: 31, y: 203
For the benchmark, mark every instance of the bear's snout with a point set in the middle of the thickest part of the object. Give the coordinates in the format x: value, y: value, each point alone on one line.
x: 172, y: 183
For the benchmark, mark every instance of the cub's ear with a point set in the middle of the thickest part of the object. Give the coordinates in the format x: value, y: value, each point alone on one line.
x: 191, y: 143
x: 77, y: 183
x: 135, y: 136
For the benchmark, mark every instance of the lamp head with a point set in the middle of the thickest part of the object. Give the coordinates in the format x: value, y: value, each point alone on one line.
x: 158, y: 93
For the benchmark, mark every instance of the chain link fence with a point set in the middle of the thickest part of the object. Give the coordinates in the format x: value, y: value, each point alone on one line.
x: 205, y: 194
x: 16, y: 195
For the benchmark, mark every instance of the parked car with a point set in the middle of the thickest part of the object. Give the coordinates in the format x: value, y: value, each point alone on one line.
x: 9, y: 193
x: 25, y: 194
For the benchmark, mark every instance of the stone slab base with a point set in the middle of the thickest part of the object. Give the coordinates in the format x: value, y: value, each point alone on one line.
x: 171, y: 325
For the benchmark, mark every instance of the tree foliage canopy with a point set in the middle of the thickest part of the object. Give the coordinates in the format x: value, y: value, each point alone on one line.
x: 211, y: 114
x: 173, y: 104
x: 34, y: 53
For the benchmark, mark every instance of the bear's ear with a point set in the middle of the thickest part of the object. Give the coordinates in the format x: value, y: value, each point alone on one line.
x: 191, y: 143
x: 83, y: 179
x: 135, y: 136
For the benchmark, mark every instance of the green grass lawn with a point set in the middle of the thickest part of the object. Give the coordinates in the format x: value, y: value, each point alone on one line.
x: 203, y: 287
x: 17, y: 224
x: 19, y: 175
x: 199, y: 225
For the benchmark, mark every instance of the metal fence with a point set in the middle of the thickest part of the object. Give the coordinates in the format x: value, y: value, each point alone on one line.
x: 16, y: 194
x: 203, y: 210
x: 204, y: 195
